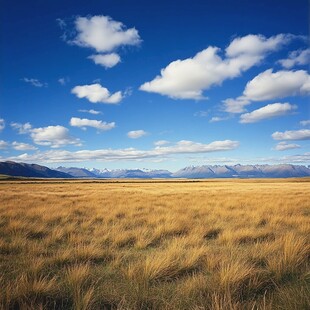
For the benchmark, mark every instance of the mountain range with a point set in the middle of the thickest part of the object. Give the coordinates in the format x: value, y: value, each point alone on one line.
x: 116, y: 174
x: 192, y: 172
x: 196, y: 172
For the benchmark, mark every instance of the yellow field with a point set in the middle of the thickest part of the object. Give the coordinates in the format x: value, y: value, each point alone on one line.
x: 215, y: 244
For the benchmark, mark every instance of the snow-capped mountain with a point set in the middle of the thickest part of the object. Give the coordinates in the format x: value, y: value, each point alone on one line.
x: 131, y: 173
x: 196, y: 172
x: 243, y: 171
x: 117, y: 173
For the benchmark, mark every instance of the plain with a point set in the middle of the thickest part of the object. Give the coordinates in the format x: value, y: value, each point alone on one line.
x: 128, y: 244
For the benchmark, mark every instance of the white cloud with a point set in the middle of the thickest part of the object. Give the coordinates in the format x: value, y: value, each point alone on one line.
x: 107, y: 60
x: 96, y: 93
x: 135, y: 134
x: 21, y: 128
x: 91, y: 111
x: 128, y: 92
x: 235, y: 105
x: 257, y: 44
x: 283, y: 146
x: 299, y: 57
x: 103, y: 34
x: 305, y: 123
x: 2, y: 124
x: 35, y: 82
x: 289, y: 159
x: 215, y: 119
x: 270, y: 85
x: 268, y: 111
x: 303, y: 134
x: 53, y: 136
x: 187, y: 79
x: 3, y: 144
x: 181, y: 147
x: 161, y: 142
x: 299, y: 158
x: 19, y: 146
x: 84, y: 122
x: 63, y: 81
x: 185, y: 146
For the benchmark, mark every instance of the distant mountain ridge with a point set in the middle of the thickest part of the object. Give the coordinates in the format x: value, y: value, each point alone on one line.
x: 243, y: 171
x: 117, y: 173
x: 77, y: 172
x: 30, y: 170
x: 200, y: 172
x: 192, y: 172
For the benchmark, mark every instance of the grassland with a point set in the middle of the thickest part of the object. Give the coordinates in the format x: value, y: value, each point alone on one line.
x: 233, y: 244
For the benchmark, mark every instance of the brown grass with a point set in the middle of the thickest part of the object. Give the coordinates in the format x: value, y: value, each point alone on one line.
x: 215, y: 244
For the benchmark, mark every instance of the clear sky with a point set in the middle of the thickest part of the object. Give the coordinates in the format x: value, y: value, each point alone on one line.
x: 154, y: 84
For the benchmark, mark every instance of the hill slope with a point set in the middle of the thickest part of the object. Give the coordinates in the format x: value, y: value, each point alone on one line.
x: 30, y: 170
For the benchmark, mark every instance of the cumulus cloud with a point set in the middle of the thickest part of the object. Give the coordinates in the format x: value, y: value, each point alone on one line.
x: 188, y: 78
x: 19, y: 146
x: 257, y: 44
x: 270, y: 85
x: 96, y: 93
x: 283, y: 146
x: 53, y: 136
x: 21, y: 128
x: 102, y: 34
x: 268, y: 111
x: 91, y: 111
x: 2, y: 124
x: 135, y: 134
x: 303, y: 134
x: 107, y: 61
x: 295, y: 58
x: 35, y: 82
x: 3, y: 144
x: 305, y: 123
x: 181, y: 147
x: 84, y: 122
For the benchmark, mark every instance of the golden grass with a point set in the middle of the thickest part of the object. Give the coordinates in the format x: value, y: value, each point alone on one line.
x: 128, y: 244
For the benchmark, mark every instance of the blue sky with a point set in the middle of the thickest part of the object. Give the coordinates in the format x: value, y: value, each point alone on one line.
x: 136, y: 84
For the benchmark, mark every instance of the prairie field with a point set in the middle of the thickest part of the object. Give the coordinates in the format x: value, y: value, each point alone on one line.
x: 207, y: 244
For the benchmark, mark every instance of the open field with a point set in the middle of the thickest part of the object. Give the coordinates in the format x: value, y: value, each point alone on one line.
x: 213, y: 244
